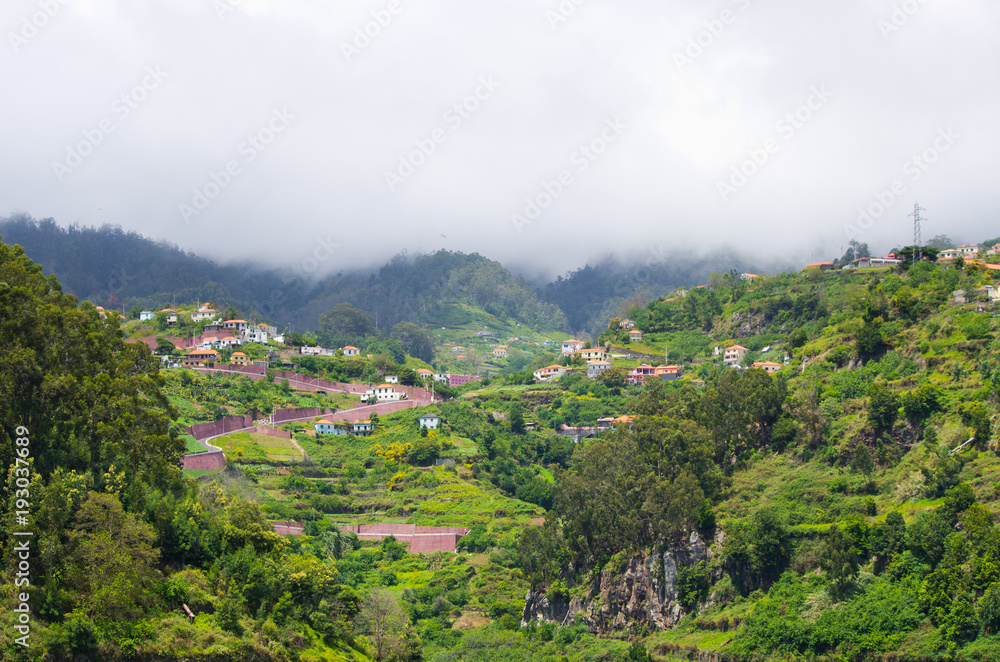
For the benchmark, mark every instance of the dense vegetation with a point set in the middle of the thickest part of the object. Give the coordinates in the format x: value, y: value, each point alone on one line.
x: 847, y: 502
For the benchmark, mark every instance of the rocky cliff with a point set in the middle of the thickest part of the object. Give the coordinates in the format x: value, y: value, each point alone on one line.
x: 643, y: 592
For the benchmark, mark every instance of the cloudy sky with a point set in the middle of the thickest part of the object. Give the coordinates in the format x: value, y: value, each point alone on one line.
x: 542, y: 133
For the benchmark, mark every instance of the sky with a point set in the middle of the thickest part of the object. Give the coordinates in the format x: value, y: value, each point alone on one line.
x: 540, y: 133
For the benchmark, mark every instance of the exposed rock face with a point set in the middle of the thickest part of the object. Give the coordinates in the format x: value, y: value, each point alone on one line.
x: 643, y: 592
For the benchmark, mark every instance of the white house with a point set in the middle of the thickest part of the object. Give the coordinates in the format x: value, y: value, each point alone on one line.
x: 316, y: 351
x: 362, y: 428
x: 430, y: 422
x: 230, y: 341
x: 595, y: 368
x: 968, y: 249
x: 204, y: 314
x: 255, y: 335
x: 146, y: 315
x: 351, y: 350
x: 382, y: 393
x: 391, y: 379
x: 572, y: 346
x: 236, y: 325
x: 550, y: 373
x: 770, y: 366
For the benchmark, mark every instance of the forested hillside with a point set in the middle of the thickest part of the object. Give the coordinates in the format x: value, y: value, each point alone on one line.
x: 834, y: 497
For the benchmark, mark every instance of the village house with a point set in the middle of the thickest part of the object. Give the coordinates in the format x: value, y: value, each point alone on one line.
x: 968, y: 249
x: 171, y: 315
x: 204, y: 314
x: 268, y: 329
x: 382, y: 393
x: 500, y: 351
x: 572, y: 346
x: 235, y: 325
x: 430, y: 421
x: 391, y: 379
x: 316, y: 351
x: 626, y: 324
x: 605, y: 423
x: 239, y: 358
x: 362, y: 428
x: 263, y: 363
x: 734, y: 355
x: 147, y: 315
x: 635, y: 335
x: 323, y: 426
x: 425, y: 373
x: 948, y: 254
x: 198, y: 357
x: 460, y: 380
x: 822, y: 266
x: 594, y: 354
x: 865, y: 262
x: 638, y: 375
x: 550, y: 373
x: 770, y: 366
x: 667, y: 373
x: 230, y: 341
x: 994, y: 249
x: 351, y: 350
x: 595, y: 368
x: 255, y: 335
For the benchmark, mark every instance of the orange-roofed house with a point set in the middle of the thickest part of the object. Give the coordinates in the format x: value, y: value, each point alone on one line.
x: 362, y: 428
x: 734, y: 355
x: 594, y: 354
x: 572, y: 346
x: 323, y: 426
x: 635, y: 335
x: 595, y: 368
x: 236, y: 325
x: 239, y: 358
x: 351, y: 350
x: 550, y: 373
x: 500, y: 351
x: 822, y: 266
x: 198, y: 357
x: 770, y: 366
x: 667, y: 373
x: 204, y: 314
x: 382, y: 393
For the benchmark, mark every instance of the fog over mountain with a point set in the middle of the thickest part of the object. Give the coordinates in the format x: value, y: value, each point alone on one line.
x: 544, y: 134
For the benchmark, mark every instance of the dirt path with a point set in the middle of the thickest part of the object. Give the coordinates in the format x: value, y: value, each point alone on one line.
x: 298, y: 448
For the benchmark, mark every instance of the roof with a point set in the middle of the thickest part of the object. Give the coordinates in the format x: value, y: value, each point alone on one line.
x: 761, y: 364
x: 737, y: 347
x: 235, y: 322
x: 323, y: 421
x: 550, y: 367
x: 598, y: 363
x: 385, y: 386
x: 571, y: 340
x: 237, y: 354
x: 358, y: 421
x: 203, y: 351
x: 819, y: 264
x: 634, y: 331
x: 350, y: 347
x: 425, y: 371
x: 430, y: 416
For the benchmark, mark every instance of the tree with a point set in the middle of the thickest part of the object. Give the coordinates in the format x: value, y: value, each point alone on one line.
x: 112, y: 559
x: 941, y: 242
x: 839, y: 560
x: 164, y: 346
x: 347, y: 320
x: 415, y: 340
x: 387, y: 625
x: 883, y: 407
x: 862, y: 462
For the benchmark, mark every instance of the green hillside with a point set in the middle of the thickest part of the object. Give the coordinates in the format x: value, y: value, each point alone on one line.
x: 841, y: 508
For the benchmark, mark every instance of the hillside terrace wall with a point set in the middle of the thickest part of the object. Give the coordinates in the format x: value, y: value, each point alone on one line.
x: 421, y: 539
x: 213, y: 461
